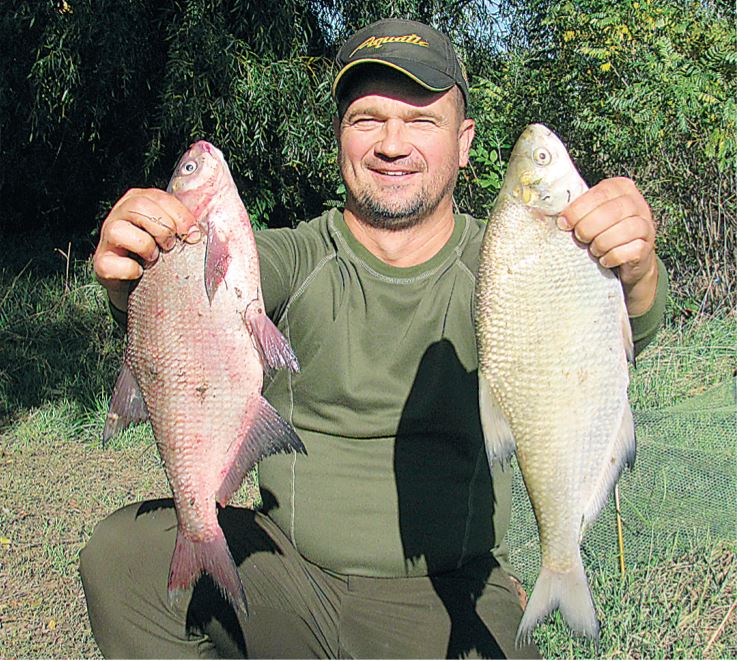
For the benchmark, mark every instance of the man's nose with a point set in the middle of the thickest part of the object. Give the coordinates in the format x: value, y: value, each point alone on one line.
x: 393, y: 141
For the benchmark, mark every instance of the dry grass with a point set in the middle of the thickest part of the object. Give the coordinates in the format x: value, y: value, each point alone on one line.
x: 51, y: 496
x: 58, y: 358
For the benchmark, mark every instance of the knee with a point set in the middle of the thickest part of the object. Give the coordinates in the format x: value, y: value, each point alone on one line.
x: 104, y: 549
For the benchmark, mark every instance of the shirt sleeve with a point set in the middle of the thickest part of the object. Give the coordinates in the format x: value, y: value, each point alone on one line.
x: 120, y: 317
x: 646, y: 325
x: 278, y: 263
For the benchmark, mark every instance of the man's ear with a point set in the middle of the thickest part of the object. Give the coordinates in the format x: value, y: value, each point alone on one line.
x: 465, y: 137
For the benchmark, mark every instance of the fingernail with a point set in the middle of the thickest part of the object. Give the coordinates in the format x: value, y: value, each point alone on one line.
x: 563, y: 223
x: 193, y: 235
x: 170, y: 243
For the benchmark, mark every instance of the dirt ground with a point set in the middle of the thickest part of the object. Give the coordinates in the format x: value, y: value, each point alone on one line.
x: 51, y: 497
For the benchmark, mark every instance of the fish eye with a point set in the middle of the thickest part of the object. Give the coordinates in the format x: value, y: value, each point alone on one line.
x: 541, y: 156
x: 189, y: 167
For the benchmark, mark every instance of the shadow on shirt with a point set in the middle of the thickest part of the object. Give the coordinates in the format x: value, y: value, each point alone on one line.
x: 445, y: 497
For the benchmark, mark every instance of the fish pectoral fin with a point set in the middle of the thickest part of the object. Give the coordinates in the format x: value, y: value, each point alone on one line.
x: 629, y: 345
x: 274, y: 348
x: 266, y: 433
x: 217, y: 260
x: 126, y: 405
x: 498, y: 435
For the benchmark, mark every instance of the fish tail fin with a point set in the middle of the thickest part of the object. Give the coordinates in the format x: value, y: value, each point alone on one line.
x: 193, y: 558
x: 567, y: 591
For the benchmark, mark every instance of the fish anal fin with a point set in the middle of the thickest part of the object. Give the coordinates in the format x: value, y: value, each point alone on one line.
x: 265, y: 433
x: 273, y: 347
x: 622, y: 453
x: 193, y: 558
x: 500, y: 443
x: 217, y: 260
x: 126, y: 405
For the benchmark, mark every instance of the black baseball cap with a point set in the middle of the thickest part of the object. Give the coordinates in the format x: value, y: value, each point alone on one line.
x: 415, y: 49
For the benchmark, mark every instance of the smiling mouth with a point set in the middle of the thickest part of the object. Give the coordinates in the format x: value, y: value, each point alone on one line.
x: 393, y: 173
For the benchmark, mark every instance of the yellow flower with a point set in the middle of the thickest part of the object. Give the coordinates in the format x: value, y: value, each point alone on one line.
x: 568, y: 35
x: 606, y: 66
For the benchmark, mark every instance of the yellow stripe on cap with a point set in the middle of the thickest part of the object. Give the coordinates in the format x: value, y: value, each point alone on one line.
x: 388, y: 64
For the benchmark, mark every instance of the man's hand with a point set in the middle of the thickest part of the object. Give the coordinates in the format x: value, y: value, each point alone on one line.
x: 521, y: 593
x: 614, y: 219
x: 141, y: 223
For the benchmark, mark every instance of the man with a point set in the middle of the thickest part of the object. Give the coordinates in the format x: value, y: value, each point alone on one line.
x: 387, y: 539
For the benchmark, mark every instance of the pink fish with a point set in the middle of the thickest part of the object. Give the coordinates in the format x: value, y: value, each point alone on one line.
x: 199, y: 342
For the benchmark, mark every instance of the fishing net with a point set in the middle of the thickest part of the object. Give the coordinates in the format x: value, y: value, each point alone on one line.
x: 683, y: 487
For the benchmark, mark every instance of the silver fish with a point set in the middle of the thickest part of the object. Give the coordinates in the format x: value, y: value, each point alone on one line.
x: 553, y: 337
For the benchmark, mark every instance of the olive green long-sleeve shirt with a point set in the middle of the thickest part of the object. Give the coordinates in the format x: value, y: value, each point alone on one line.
x: 396, y: 480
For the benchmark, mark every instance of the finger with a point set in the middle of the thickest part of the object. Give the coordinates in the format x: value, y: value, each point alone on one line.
x: 605, y: 190
x: 167, y: 206
x: 110, y: 268
x: 605, y: 216
x: 146, y: 214
x: 157, y: 212
x: 630, y: 255
x: 621, y: 233
x: 124, y: 238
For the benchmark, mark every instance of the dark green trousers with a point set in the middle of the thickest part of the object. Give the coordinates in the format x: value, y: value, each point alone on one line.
x: 296, y: 609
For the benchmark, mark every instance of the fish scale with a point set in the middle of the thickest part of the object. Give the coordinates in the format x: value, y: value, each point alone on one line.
x: 198, y: 344
x: 203, y: 387
x: 553, y: 338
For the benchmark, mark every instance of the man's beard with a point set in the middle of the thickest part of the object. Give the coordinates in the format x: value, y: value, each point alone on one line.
x: 398, y: 214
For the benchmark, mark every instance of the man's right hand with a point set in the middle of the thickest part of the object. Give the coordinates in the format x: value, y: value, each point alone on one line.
x: 142, y: 222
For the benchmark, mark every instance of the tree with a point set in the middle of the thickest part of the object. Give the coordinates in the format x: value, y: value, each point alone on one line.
x: 646, y: 89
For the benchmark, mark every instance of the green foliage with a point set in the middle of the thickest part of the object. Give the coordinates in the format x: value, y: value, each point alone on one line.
x: 479, y: 184
x: 96, y: 97
x: 645, y: 89
x: 57, y: 341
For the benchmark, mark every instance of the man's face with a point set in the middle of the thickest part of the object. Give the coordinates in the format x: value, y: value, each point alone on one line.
x: 400, y: 148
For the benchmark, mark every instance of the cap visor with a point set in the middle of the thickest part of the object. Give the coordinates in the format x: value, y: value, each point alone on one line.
x: 427, y: 77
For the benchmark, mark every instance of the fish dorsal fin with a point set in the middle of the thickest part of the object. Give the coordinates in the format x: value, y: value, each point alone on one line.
x: 217, y: 258
x: 126, y: 405
x: 265, y: 433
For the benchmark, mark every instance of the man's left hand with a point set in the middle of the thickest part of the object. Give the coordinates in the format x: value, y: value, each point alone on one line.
x: 615, y: 221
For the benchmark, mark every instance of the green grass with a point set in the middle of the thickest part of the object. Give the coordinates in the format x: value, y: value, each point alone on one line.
x: 686, y: 360
x: 674, y: 606
x: 59, y: 356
